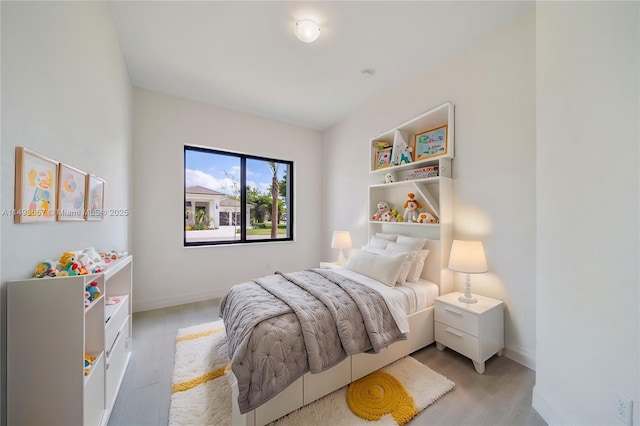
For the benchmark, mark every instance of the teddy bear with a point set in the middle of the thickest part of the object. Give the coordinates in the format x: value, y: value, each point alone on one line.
x: 426, y: 218
x: 411, y: 207
x: 382, y: 207
x: 388, y: 216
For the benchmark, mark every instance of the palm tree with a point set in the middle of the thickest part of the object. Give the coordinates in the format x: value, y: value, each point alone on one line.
x: 274, y: 199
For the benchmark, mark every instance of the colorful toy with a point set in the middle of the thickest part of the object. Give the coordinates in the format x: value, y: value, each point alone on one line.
x: 388, y: 217
x: 91, y: 291
x: 88, y: 363
x: 411, y: 207
x: 382, y: 207
x: 426, y: 218
x: 48, y: 268
x: 69, y: 264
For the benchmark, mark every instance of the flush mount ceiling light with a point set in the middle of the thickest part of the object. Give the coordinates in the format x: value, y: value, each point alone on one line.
x: 307, y: 31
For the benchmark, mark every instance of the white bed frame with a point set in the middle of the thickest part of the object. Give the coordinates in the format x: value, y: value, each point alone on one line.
x: 311, y: 387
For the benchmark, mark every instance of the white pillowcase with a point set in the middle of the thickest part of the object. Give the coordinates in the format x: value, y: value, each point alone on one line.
x: 409, y: 257
x: 380, y: 243
x: 411, y: 246
x: 373, y: 250
x: 418, y: 265
x: 390, y: 237
x: 385, y: 269
x: 403, y: 239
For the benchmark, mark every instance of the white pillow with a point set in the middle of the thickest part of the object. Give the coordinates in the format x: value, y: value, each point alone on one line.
x: 373, y: 250
x: 418, y: 265
x: 404, y: 247
x: 378, y: 243
x: 403, y: 239
x: 390, y: 237
x: 409, y: 259
x: 385, y: 269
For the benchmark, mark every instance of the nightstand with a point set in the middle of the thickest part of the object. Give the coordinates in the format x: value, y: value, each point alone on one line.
x: 475, y: 330
x: 330, y: 265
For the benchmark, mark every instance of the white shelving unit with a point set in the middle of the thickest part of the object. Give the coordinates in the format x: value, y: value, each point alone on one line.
x: 435, y: 194
x: 49, y: 331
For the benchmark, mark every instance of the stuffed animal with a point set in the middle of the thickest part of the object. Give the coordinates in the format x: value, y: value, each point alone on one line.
x: 48, y: 268
x: 382, y: 207
x: 88, y: 362
x: 388, y: 217
x: 92, y: 290
x: 426, y: 218
x: 388, y: 178
x: 411, y: 207
x: 69, y: 264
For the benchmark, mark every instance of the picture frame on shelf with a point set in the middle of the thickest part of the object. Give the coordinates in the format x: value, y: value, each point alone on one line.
x: 36, y: 179
x: 95, y: 198
x: 431, y: 143
x: 72, y: 184
x: 383, y: 158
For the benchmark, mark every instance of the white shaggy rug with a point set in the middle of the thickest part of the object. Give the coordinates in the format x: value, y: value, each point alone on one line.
x: 201, y: 394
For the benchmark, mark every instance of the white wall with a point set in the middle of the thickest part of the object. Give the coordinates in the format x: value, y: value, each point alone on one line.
x: 67, y: 95
x: 492, y: 85
x: 166, y: 273
x: 588, y: 334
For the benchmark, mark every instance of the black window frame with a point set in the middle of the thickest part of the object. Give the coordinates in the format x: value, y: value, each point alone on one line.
x: 243, y: 198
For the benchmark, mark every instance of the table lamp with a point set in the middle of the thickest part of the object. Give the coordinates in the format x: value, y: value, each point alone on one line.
x: 467, y: 257
x: 341, y: 240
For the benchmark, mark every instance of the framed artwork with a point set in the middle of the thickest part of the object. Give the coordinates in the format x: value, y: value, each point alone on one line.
x: 36, y: 178
x: 383, y: 158
x: 431, y: 143
x: 72, y: 184
x: 95, y: 197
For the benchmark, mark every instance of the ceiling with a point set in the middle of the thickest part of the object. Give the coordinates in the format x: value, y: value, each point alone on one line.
x: 244, y: 55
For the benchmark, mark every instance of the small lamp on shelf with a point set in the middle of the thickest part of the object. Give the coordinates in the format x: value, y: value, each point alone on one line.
x: 341, y: 240
x: 467, y: 257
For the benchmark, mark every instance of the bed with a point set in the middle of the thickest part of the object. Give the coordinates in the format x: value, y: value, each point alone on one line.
x: 327, y: 368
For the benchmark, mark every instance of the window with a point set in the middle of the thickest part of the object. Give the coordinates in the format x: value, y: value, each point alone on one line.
x: 236, y: 198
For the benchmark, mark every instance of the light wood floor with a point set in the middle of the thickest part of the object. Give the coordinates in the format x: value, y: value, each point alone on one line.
x: 502, y: 396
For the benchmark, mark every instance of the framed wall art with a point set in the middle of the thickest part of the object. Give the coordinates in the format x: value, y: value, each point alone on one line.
x: 36, y: 179
x: 430, y: 143
x: 95, y: 197
x: 72, y: 184
x: 383, y: 158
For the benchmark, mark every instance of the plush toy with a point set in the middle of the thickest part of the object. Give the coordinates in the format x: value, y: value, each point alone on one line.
x: 382, y: 207
x: 426, y: 218
x: 48, y: 268
x: 88, y: 362
x: 69, y: 264
x: 411, y: 207
x: 388, y: 178
x: 400, y: 218
x: 93, y: 291
x: 91, y: 260
x: 388, y: 217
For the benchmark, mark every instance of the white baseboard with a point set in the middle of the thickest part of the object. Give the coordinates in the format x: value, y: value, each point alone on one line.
x: 520, y: 356
x: 148, y: 305
x: 547, y: 411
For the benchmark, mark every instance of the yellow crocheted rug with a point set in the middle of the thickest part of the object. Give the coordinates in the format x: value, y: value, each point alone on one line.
x: 201, y: 394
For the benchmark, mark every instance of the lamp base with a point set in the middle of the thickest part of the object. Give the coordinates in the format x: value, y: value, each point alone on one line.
x: 341, y: 258
x: 465, y: 299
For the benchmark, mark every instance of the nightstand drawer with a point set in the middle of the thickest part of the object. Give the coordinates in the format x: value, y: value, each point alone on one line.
x: 456, y: 318
x: 459, y: 341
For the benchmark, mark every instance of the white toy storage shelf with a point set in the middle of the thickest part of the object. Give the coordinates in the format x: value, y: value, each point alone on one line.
x: 430, y: 179
x: 49, y: 331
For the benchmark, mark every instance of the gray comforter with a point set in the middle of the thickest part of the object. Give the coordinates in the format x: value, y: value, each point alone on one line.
x: 283, y: 325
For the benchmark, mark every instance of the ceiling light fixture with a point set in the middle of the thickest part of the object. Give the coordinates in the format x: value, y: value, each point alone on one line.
x: 307, y: 31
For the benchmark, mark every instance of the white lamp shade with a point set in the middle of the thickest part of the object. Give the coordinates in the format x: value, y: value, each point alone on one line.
x: 341, y: 240
x: 307, y: 31
x: 468, y: 257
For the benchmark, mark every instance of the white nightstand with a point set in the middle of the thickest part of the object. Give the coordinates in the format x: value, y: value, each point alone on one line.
x: 475, y: 330
x: 330, y: 265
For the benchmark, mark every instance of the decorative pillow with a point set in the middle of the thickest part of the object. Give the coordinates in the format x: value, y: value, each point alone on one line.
x: 378, y: 243
x: 390, y: 237
x: 403, y: 239
x: 404, y: 247
x: 385, y: 269
x: 373, y: 250
x: 418, y: 265
x: 409, y: 259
